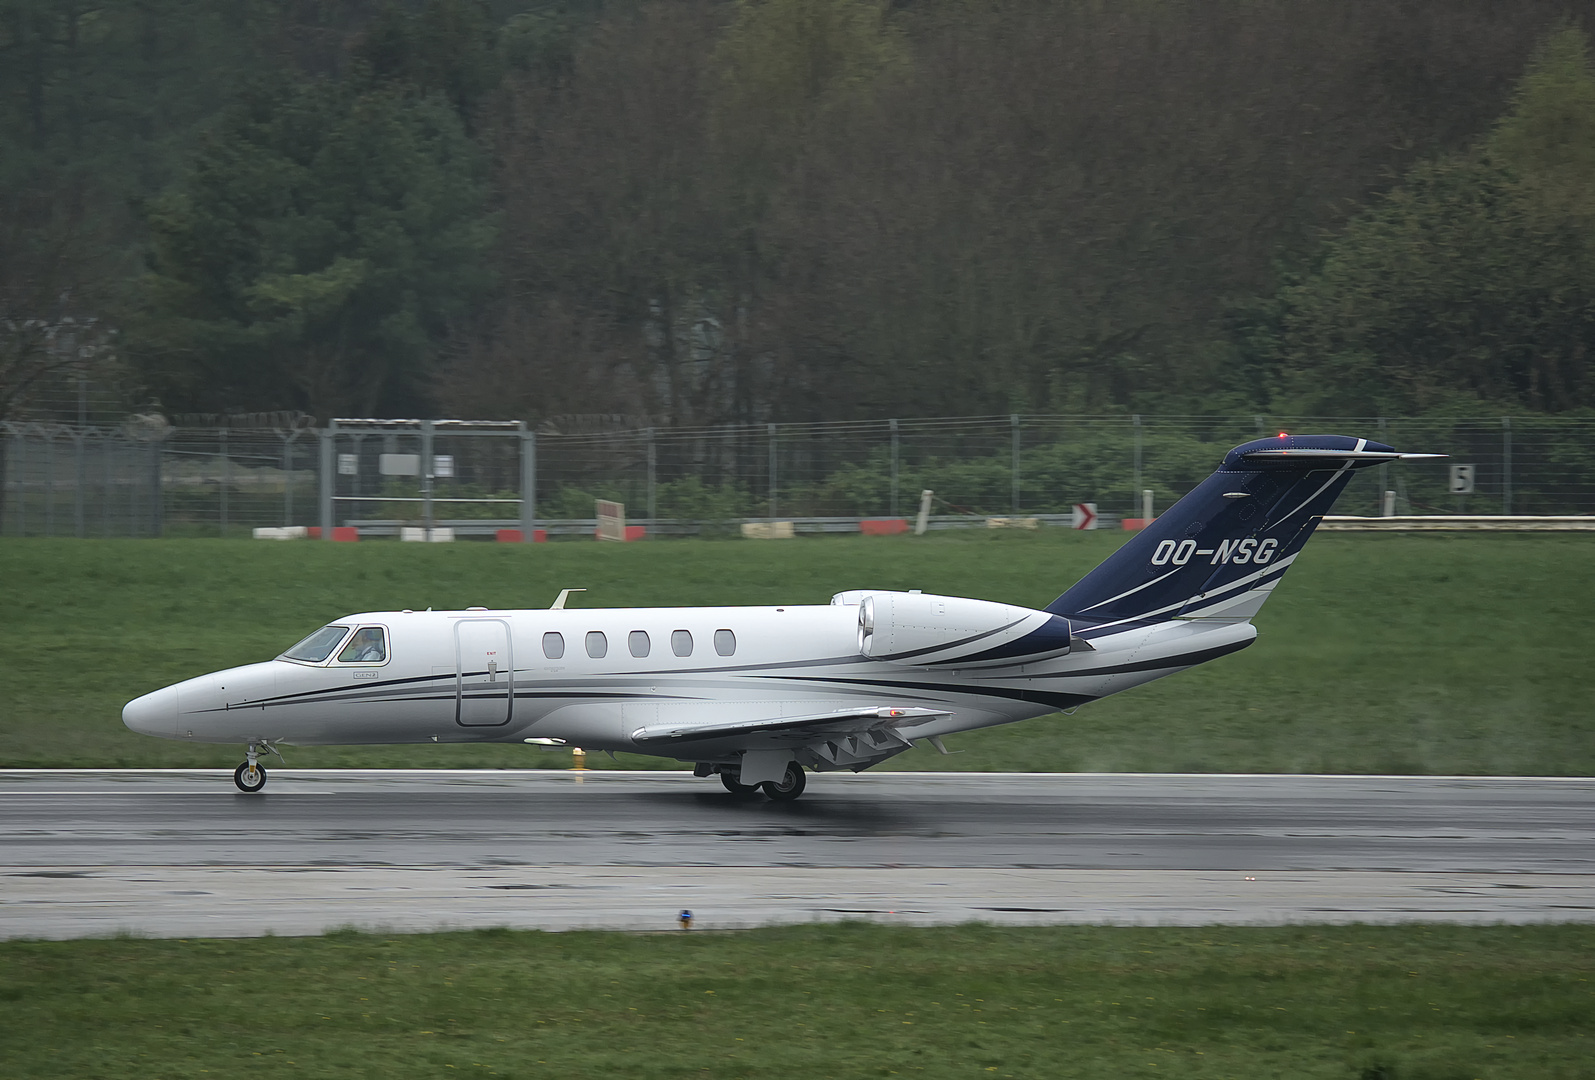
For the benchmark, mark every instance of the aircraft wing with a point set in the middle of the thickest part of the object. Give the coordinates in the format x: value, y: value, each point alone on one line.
x: 802, y: 728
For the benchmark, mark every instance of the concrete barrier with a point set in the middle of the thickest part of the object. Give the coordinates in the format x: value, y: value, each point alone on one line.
x: 633, y: 532
x: 883, y: 526
x: 768, y: 530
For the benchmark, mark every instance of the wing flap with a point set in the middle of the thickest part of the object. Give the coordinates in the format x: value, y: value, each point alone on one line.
x: 839, y: 722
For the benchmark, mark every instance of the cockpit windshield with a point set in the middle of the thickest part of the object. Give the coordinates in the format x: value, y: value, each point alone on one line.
x: 368, y: 646
x: 318, y: 646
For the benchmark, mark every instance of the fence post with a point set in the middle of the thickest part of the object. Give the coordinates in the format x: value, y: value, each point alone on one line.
x: 1506, y: 464
x: 1013, y: 422
x: 528, y: 483
x: 893, y: 423
x: 129, y: 470
x: 287, y: 479
x: 49, y: 483
x: 773, y: 502
x: 21, y: 484
x: 80, y: 479
x: 157, y: 497
x: 227, y: 482
x: 1136, y: 421
x: 1384, y: 470
x: 107, y: 486
x: 426, y: 477
x: 326, y: 440
x: 653, y: 485
x: 5, y: 477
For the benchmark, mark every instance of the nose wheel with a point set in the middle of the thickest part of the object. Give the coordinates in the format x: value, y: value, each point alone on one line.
x: 251, y: 775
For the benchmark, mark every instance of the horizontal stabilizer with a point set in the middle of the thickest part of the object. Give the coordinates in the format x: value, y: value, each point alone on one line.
x: 842, y: 721
x: 1307, y: 454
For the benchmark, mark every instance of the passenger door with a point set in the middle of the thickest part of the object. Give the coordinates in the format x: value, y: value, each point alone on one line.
x: 484, y: 673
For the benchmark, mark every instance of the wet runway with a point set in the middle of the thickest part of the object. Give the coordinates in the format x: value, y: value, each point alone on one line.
x: 183, y: 853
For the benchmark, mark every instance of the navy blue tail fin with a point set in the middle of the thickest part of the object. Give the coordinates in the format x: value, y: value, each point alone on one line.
x: 1219, y: 551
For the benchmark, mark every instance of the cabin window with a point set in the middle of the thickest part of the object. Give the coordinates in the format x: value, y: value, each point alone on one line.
x: 681, y: 642
x: 553, y: 645
x: 597, y: 644
x: 637, y: 642
x: 318, y: 646
x: 725, y: 642
x: 368, y: 646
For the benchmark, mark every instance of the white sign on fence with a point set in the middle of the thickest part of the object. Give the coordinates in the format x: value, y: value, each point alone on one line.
x: 415, y: 534
x: 400, y: 464
x: 1462, y: 479
x: 611, y: 520
x: 443, y: 466
x: 1084, y: 516
x: 348, y: 464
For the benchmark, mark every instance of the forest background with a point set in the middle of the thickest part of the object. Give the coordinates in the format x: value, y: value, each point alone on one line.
x: 691, y: 212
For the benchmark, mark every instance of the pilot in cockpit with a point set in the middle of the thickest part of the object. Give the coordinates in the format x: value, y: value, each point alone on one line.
x: 366, y: 646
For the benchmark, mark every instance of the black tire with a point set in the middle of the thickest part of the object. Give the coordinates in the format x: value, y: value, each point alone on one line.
x: 789, y: 788
x: 735, y: 786
x: 242, y: 779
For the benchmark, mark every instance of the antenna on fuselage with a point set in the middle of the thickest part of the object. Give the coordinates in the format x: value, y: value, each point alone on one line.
x: 564, y: 594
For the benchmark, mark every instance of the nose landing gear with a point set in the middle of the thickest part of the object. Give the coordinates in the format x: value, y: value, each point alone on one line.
x: 251, y: 775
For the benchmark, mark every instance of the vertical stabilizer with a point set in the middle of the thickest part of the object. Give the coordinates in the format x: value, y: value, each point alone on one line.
x: 1218, y: 552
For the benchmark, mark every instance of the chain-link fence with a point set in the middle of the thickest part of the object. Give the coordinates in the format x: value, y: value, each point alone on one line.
x: 143, y: 479
x: 1014, y: 465
x: 146, y: 479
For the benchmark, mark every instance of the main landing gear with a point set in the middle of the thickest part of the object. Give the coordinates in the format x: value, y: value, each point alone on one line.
x: 251, y: 775
x: 736, y: 787
x: 786, y: 789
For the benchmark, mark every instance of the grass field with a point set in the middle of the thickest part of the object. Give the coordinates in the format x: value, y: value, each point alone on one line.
x: 850, y: 1000
x: 1378, y: 653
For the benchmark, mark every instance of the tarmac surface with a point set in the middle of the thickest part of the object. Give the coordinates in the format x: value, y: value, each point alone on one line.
x: 183, y: 853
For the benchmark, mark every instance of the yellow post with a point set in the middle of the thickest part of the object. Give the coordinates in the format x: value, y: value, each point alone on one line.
x: 578, y: 758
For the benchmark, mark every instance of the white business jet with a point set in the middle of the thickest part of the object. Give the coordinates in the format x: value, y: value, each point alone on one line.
x: 757, y: 694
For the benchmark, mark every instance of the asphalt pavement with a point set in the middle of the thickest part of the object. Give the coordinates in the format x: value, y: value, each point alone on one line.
x: 180, y: 853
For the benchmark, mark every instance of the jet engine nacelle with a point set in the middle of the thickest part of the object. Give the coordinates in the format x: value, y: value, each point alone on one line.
x: 923, y: 630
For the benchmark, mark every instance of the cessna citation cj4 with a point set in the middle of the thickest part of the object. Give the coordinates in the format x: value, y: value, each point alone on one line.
x: 756, y: 694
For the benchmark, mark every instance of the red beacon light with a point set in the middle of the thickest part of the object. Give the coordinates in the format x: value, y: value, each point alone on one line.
x: 1284, y: 434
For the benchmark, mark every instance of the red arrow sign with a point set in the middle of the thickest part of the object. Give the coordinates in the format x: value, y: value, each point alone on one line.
x: 1085, y: 516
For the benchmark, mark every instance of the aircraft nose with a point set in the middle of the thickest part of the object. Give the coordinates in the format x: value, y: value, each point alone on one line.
x: 153, y: 714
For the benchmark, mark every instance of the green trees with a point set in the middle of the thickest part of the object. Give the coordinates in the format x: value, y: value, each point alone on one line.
x: 708, y: 211
x: 322, y: 242
x: 1474, y: 280
x: 803, y: 209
